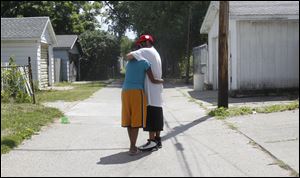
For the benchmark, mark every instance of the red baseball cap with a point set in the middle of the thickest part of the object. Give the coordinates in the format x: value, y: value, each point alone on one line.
x: 144, y: 38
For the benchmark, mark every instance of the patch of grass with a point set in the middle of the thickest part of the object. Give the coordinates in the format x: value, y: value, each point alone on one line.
x: 294, y: 174
x: 222, y: 113
x: 21, y: 121
x: 278, y: 108
x: 79, y: 92
x: 283, y: 165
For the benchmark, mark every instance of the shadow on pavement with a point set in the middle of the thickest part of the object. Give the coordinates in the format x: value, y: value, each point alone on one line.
x: 122, y: 158
x: 182, y: 128
x: 211, y: 96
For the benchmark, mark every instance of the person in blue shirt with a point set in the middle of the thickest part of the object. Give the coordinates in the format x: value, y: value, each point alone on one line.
x: 134, y: 100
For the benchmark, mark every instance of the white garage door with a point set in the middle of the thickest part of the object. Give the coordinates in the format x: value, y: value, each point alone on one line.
x: 268, y: 54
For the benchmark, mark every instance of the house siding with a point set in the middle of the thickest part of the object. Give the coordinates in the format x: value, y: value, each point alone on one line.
x: 268, y: 55
x: 21, y: 51
x: 64, y: 56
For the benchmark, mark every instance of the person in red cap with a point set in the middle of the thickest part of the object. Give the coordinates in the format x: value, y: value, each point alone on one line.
x: 134, y: 100
x: 154, y: 121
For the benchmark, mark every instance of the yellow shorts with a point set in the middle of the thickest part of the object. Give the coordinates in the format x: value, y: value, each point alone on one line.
x: 134, y: 108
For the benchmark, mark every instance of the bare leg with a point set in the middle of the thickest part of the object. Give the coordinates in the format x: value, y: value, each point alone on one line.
x: 152, y: 135
x: 129, y: 133
x: 133, y: 134
x: 157, y: 134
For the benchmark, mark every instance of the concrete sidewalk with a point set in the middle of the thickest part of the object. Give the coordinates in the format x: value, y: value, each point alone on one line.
x: 278, y: 133
x: 94, y: 144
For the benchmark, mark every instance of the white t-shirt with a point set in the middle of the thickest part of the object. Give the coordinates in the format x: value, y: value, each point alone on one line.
x: 153, y: 91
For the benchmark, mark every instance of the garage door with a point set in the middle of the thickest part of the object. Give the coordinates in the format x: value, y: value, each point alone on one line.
x: 268, y: 54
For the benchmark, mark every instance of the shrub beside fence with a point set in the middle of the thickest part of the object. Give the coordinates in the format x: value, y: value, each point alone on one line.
x: 16, y: 82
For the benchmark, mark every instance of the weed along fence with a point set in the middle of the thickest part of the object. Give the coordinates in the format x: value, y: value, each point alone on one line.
x: 17, y: 78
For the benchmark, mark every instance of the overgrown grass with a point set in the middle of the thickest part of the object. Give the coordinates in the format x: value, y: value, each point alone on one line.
x: 79, y: 92
x: 278, y: 108
x: 21, y: 121
x: 222, y: 113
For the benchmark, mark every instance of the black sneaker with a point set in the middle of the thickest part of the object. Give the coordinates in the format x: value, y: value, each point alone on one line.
x: 158, y: 141
x: 151, y: 145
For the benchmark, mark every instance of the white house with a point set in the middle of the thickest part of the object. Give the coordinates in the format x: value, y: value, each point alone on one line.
x: 68, y: 51
x: 263, y: 44
x: 30, y: 37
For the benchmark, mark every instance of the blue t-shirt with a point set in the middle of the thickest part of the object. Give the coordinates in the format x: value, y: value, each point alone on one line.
x: 135, y: 74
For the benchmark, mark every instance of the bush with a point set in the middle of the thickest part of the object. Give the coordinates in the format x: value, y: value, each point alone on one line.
x: 13, y: 84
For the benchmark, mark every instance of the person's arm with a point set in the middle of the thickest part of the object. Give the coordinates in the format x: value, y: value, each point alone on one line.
x: 135, y: 55
x: 153, y: 80
x: 129, y: 56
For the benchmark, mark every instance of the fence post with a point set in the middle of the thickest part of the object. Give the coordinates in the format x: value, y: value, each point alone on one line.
x: 30, y: 79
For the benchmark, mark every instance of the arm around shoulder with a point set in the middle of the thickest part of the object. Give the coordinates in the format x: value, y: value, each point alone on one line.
x: 151, y: 77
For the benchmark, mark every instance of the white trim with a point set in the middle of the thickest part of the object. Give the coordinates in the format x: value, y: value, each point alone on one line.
x: 38, y: 69
x: 213, y: 10
x: 51, y: 65
x: 233, y: 52
x: 264, y: 17
x: 74, y: 42
x: 209, y: 17
x: 51, y: 31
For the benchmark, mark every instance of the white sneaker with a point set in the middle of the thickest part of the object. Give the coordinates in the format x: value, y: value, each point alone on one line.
x: 149, y: 146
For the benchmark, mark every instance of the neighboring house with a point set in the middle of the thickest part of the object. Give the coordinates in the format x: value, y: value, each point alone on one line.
x: 30, y: 37
x: 263, y: 44
x: 68, y: 51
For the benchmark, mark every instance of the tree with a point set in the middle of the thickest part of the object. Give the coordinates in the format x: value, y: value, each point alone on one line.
x: 126, y: 45
x: 101, y: 51
x: 67, y: 17
x: 166, y: 21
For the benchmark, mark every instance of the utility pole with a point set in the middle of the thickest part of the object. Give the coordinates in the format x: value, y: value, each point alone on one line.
x: 223, y: 54
x: 187, y: 74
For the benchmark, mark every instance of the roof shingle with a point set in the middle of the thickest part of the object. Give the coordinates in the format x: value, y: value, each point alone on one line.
x: 65, y: 41
x: 25, y: 27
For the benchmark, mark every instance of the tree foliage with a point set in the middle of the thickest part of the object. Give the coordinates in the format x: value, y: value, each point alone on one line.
x: 101, y: 51
x: 126, y: 45
x: 67, y: 17
x: 167, y: 21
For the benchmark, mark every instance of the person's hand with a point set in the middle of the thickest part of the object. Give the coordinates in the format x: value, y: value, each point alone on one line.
x: 160, y: 80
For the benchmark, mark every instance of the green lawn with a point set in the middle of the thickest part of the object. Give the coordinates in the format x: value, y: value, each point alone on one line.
x: 21, y: 121
x: 80, y: 92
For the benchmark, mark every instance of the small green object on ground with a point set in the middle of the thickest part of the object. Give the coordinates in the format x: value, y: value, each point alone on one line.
x: 64, y: 120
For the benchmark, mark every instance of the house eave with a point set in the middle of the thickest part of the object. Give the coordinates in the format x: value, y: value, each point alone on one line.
x: 209, y: 17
